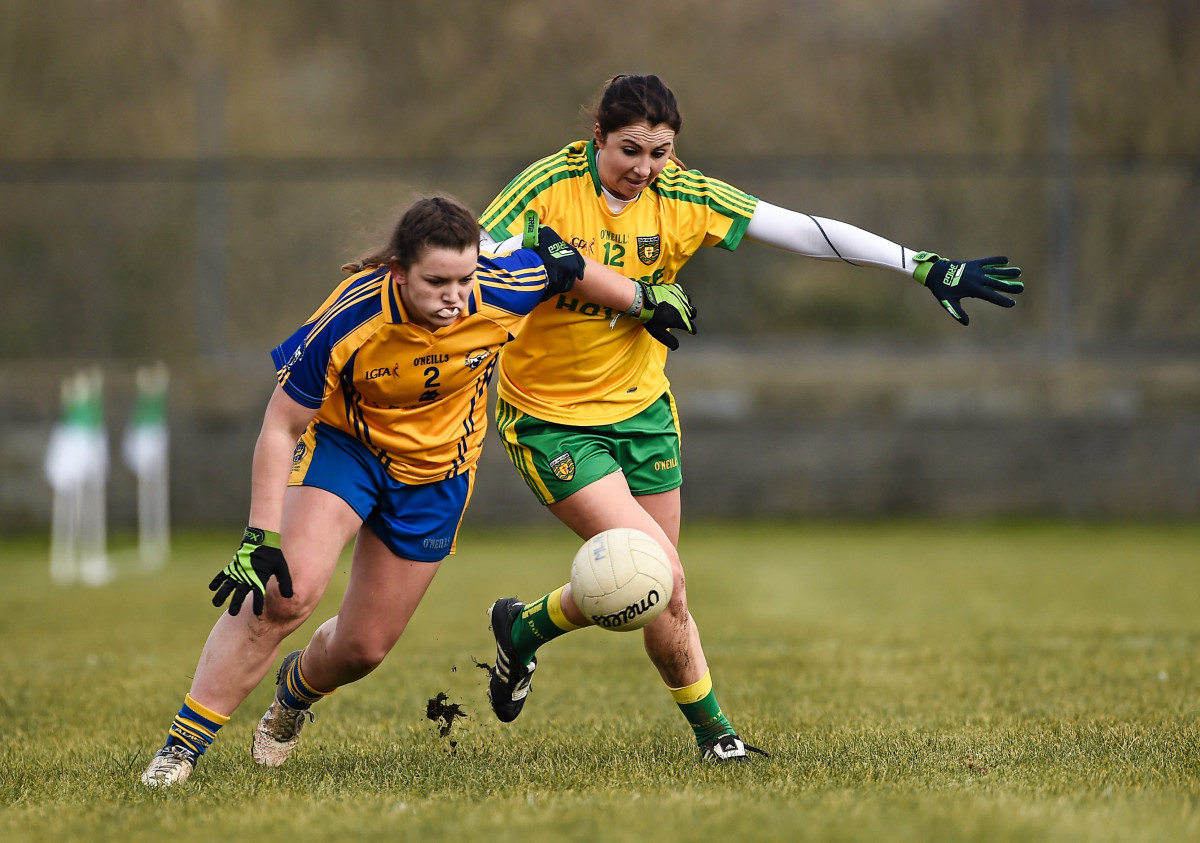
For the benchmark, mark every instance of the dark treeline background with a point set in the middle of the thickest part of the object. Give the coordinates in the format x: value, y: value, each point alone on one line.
x: 181, y: 180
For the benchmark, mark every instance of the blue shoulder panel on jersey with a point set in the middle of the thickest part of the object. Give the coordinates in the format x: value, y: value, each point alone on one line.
x: 514, y: 282
x: 302, y: 359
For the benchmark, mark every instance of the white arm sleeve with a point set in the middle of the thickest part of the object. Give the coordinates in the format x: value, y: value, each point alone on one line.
x: 487, y: 244
x: 828, y: 240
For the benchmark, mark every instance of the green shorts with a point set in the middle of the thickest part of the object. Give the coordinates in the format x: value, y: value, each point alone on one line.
x: 558, y: 460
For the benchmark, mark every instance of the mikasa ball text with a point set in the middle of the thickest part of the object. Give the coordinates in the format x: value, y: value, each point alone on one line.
x: 621, y: 579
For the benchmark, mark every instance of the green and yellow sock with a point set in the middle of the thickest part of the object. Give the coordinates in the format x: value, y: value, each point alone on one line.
x: 195, y: 726
x: 294, y: 689
x: 699, y: 705
x: 541, y: 621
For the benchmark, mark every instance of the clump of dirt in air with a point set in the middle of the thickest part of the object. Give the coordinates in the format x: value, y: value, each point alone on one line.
x: 440, y: 711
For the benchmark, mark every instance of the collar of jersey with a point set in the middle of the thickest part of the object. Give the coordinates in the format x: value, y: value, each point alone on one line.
x: 592, y: 166
x: 391, y: 297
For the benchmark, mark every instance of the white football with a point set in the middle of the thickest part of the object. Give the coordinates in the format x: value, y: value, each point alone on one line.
x: 621, y: 579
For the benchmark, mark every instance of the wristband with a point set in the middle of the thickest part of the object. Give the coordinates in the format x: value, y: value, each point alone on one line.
x: 639, y: 298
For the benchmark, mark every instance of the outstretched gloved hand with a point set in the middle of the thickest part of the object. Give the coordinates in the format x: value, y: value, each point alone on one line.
x: 952, y: 281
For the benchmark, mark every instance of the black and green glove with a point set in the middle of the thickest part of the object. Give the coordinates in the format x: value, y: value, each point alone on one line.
x: 951, y: 281
x: 256, y: 561
x: 663, y: 306
x: 564, y: 265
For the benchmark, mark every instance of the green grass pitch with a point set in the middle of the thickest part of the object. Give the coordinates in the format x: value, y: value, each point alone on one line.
x: 913, y: 682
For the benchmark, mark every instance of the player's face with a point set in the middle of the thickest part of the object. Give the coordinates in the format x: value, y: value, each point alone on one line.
x: 631, y: 157
x: 436, y: 288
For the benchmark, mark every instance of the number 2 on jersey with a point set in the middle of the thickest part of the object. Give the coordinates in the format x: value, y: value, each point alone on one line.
x: 431, y: 384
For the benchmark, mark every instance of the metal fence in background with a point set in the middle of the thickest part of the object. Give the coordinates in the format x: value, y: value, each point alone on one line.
x: 178, y: 259
x: 811, y: 390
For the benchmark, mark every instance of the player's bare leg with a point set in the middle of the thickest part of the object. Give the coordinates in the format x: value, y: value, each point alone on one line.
x: 673, y: 644
x: 241, y: 648
x: 382, y: 595
x: 671, y: 640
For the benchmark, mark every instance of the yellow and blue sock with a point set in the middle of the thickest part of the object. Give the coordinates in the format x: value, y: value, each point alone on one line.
x: 541, y: 621
x: 195, y: 726
x: 294, y: 690
x: 699, y: 705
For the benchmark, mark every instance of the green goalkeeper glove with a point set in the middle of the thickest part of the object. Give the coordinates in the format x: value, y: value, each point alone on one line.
x: 663, y: 306
x: 256, y: 561
x: 951, y: 281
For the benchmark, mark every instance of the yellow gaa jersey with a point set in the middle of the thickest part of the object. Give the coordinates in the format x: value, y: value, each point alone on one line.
x: 578, y: 363
x: 417, y: 399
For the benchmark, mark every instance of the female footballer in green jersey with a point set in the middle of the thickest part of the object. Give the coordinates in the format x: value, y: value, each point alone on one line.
x: 595, y: 433
x: 372, y: 434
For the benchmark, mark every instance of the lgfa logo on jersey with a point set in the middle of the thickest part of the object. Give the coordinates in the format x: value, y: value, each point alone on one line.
x: 382, y: 372
x: 588, y: 247
x: 648, y: 249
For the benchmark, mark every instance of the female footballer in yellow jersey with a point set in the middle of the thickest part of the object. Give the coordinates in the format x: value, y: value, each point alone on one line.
x: 372, y: 434
x: 584, y: 407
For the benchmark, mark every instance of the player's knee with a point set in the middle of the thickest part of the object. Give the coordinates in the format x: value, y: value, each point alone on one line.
x: 361, y: 656
x: 290, y: 611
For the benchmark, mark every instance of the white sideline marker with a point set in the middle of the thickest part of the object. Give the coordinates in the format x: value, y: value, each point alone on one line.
x: 77, y: 469
x: 145, y: 450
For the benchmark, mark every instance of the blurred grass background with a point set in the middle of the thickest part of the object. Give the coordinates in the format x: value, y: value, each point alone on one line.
x: 912, y: 682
